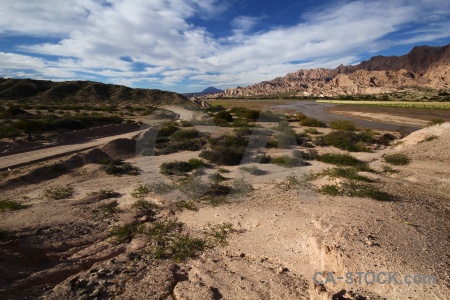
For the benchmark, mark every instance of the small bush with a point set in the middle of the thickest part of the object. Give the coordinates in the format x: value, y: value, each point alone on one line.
x: 253, y: 170
x: 388, y: 169
x: 185, y: 134
x: 352, y: 188
x: 222, y: 116
x: 223, y: 155
x: 58, y: 193
x: 339, y: 159
x: 397, y: 159
x: 122, y: 234
x: 311, y: 122
x: 343, y: 125
x: 348, y: 140
x: 264, y: 159
x: 196, y: 163
x: 309, y: 154
x: 241, y: 187
x: 436, y: 121
x: 189, y: 205
x: 11, y: 205
x: 216, y: 235
x: 4, y: 235
x: 311, y: 131
x: 223, y: 170
x: 272, y: 143
x: 104, y: 194
x: 216, y: 177
x: 109, y: 208
x: 145, y: 206
x: 118, y: 167
x: 287, y: 161
x: 330, y: 189
x: 176, y: 168
x: 429, y: 138
x: 168, y: 129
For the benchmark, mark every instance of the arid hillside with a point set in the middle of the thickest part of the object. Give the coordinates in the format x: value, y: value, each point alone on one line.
x: 82, y: 91
x: 423, y: 67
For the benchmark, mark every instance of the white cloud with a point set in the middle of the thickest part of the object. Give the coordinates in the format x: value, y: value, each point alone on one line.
x: 162, y: 43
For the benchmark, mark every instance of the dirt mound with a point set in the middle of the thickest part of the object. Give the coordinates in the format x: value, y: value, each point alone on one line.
x: 120, y: 148
x: 431, y: 143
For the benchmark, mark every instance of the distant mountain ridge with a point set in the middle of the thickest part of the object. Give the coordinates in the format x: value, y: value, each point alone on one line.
x: 423, y: 66
x: 83, y: 91
x: 212, y: 90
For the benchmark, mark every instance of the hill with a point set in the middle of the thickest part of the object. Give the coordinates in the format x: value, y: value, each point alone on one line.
x: 423, y: 67
x: 83, y: 92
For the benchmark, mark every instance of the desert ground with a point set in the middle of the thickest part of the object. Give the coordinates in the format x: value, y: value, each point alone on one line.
x: 246, y: 231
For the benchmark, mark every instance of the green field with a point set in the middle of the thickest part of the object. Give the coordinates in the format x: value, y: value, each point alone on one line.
x: 401, y: 104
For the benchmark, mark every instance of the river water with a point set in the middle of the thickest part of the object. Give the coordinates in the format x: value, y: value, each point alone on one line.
x: 320, y: 111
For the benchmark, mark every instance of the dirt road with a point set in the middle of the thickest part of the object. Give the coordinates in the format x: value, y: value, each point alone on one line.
x: 16, y: 160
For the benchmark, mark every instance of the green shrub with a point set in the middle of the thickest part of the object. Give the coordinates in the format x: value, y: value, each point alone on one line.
x: 397, y: 159
x: 104, y: 194
x: 145, y: 206
x: 185, y: 134
x: 117, y: 167
x: 196, y: 163
x: 58, y: 193
x: 339, y: 159
x: 176, y: 168
x: 429, y: 138
x: 11, y: 205
x: 121, y: 234
x: 248, y: 114
x: 216, y: 177
x: 174, y: 146
x: 352, y: 188
x: 109, y: 208
x: 272, y: 143
x: 388, y: 169
x: 264, y: 159
x: 311, y: 131
x: 309, y: 154
x: 343, y: 125
x: 141, y: 191
x: 348, y: 140
x: 168, y: 129
x: 222, y: 170
x: 436, y: 121
x: 287, y: 161
x: 189, y: 205
x: 217, y: 234
x: 311, y: 122
x: 253, y: 170
x: 223, y: 116
x: 224, y: 155
x: 330, y: 189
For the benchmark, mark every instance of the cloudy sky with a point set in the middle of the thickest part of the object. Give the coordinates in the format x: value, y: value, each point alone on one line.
x: 188, y: 45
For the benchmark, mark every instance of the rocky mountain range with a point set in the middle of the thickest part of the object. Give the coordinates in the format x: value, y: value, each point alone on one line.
x: 83, y: 92
x: 423, y: 67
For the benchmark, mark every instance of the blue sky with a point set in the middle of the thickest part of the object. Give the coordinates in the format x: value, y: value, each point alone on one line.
x: 188, y: 45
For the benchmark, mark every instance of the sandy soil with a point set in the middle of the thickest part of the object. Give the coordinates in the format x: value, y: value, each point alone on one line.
x: 284, y: 234
x: 383, y: 118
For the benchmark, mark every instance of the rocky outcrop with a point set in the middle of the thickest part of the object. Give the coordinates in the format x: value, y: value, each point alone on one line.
x: 424, y: 66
